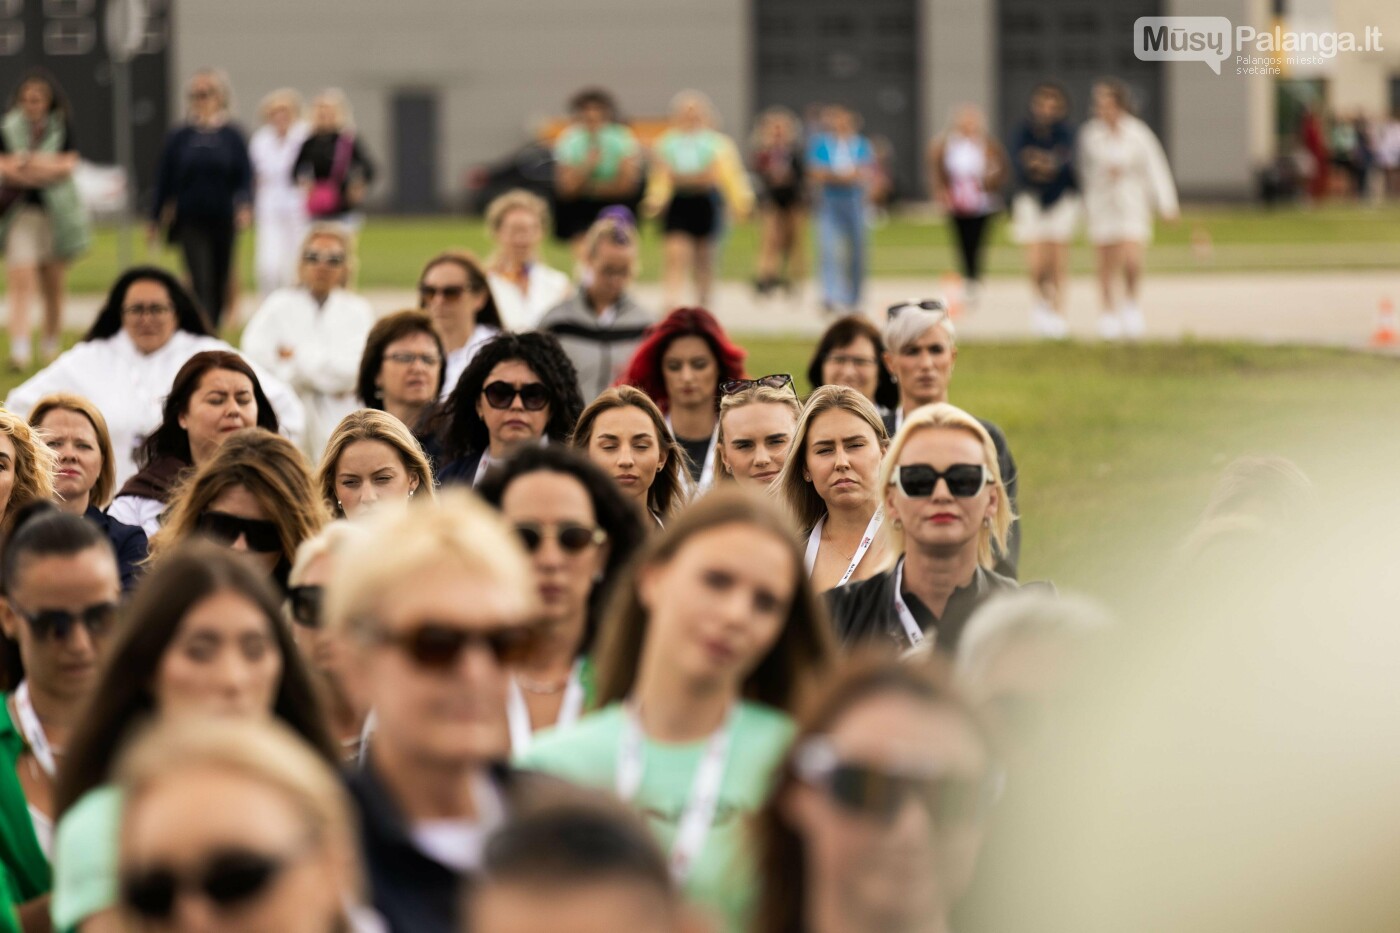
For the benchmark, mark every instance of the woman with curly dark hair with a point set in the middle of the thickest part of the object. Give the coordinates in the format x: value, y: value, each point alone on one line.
x: 519, y: 389
x: 682, y: 364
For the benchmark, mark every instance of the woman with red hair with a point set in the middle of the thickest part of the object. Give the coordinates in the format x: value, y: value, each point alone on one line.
x: 682, y: 364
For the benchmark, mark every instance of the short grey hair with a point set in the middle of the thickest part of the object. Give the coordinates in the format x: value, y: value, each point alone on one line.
x: 912, y: 323
x: 1021, y: 616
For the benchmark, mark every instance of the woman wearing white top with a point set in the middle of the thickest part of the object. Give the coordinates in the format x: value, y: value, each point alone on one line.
x: 967, y: 168
x: 312, y: 336
x: 830, y: 483
x: 147, y: 329
x: 1125, y: 176
x: 279, y: 207
x: 453, y: 290
x: 524, y: 287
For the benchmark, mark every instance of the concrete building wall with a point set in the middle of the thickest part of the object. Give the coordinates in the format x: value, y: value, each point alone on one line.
x: 959, y: 60
x: 1361, y: 80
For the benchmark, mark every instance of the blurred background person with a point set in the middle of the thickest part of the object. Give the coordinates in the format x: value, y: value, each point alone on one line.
x: 401, y: 371
x: 27, y: 467
x: 253, y: 813
x: 215, y: 394
x: 597, y: 163
x: 851, y: 352
x: 43, y: 226
x: 580, y: 533
x: 454, y: 290
x: 830, y: 486
x: 601, y: 324
x: 279, y: 207
x: 876, y: 820
x: 84, y: 478
x: 776, y: 159
x: 523, y: 285
x: 204, y: 191
x: 147, y: 329
x: 372, y: 458
x: 624, y: 433
x: 756, y: 423
x: 311, y: 336
x: 712, y: 642
x: 1125, y: 177
x: 681, y: 364
x: 1045, y: 207
x: 333, y: 169
x: 967, y: 170
x: 841, y: 166
x: 202, y: 637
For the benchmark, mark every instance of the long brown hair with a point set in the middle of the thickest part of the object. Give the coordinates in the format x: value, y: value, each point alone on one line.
x: 805, y: 648
x: 668, y: 490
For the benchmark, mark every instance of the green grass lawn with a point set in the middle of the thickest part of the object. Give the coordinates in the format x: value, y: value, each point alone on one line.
x: 1242, y: 238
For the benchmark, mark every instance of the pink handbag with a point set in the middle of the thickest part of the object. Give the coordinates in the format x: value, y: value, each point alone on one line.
x: 323, y: 200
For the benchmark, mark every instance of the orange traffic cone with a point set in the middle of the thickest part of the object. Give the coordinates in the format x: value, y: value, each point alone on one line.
x: 951, y: 284
x: 1385, y: 334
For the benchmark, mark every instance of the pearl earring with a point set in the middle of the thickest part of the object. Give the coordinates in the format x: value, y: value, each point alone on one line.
x: 411, y: 492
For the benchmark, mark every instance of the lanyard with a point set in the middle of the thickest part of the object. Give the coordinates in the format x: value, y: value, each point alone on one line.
x: 700, y: 808
x: 481, y: 468
x: 814, y: 543
x: 518, y: 714
x: 707, y: 472
x: 33, y: 730
x: 911, y: 628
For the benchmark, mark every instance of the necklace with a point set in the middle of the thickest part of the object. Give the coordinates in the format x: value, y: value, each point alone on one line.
x: 541, y: 689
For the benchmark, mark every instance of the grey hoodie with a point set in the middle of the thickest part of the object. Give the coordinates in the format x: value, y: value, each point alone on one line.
x: 599, y: 352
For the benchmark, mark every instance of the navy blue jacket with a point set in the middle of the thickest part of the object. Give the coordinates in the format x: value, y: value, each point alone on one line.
x: 127, y: 540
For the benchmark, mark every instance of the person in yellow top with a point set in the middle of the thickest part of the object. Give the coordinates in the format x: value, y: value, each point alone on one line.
x: 692, y: 167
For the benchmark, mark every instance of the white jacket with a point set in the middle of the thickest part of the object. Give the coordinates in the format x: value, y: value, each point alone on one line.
x: 273, y: 158
x: 521, y: 311
x: 326, y: 343
x: 1124, y: 176
x: 129, y: 387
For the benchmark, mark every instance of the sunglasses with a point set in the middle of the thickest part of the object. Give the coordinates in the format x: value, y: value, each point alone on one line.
x: 533, y: 395
x: 438, y: 646
x: 572, y: 537
x: 928, y: 304
x: 229, y: 878
x: 775, y: 381
x: 58, y: 624
x: 918, y: 480
x: 449, y: 292
x: 151, y: 310
x: 261, y: 536
x: 334, y: 260
x: 306, y: 605
x: 879, y: 795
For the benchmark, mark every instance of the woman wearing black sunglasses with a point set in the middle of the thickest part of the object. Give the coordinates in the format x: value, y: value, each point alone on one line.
x: 875, y: 822
x: 255, y: 495
x: 453, y: 290
x: 61, y: 591
x: 947, y: 514
x: 580, y: 532
x: 202, y: 636
x: 519, y: 389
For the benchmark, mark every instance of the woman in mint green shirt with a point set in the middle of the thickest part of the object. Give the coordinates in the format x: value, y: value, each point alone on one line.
x: 597, y: 163
x: 712, y: 641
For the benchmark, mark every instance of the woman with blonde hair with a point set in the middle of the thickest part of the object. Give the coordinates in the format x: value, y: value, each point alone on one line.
x: 279, y: 209
x: 371, y: 457
x: 830, y: 484
x: 311, y: 336
x: 255, y: 495
x: 524, y: 286
x: 27, y: 468
x: 757, y: 420
x: 624, y: 432
x: 949, y: 514
x: 332, y: 168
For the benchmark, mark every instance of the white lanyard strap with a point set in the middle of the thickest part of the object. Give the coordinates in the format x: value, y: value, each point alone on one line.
x: 33, y: 730
x: 699, y: 813
x: 707, y: 471
x: 518, y: 714
x: 482, y: 466
x: 814, y: 543
x: 911, y: 627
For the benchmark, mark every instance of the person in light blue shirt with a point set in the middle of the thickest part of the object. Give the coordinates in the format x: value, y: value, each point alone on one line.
x: 840, y: 163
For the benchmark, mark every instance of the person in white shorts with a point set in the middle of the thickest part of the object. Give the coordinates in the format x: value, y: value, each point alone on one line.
x: 1045, y: 208
x: 1125, y: 177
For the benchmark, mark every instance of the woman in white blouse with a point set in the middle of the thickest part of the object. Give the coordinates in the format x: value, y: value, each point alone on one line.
x: 1124, y: 174
x: 147, y: 329
x: 279, y: 205
x: 524, y: 287
x: 312, y: 336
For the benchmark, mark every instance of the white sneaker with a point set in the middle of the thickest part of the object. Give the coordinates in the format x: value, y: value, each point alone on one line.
x: 1134, y: 326
x: 1044, y: 322
x: 1110, y: 326
x: 1060, y: 326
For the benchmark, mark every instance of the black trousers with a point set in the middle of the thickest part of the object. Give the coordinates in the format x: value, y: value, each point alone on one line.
x: 208, y: 251
x: 971, y: 233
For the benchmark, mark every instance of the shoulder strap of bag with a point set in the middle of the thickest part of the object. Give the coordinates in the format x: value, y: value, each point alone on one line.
x: 344, y: 146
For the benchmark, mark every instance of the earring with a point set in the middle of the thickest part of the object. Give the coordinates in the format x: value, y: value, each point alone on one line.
x: 894, y: 378
x: 986, y: 521
x: 340, y: 505
x: 411, y: 492
x: 898, y: 524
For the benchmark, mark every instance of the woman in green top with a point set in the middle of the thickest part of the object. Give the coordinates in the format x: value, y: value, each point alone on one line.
x: 597, y: 163
x: 685, y: 168
x: 712, y: 641
x: 61, y: 589
x: 581, y: 532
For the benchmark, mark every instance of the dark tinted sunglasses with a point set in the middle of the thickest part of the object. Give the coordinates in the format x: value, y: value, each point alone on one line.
x: 572, y: 537
x: 775, y: 381
x: 306, y: 605
x: 57, y: 624
x: 928, y: 304
x: 880, y: 795
x: 918, y: 480
x: 533, y: 395
x: 438, y: 646
x: 450, y: 292
x: 229, y: 878
x: 224, y: 528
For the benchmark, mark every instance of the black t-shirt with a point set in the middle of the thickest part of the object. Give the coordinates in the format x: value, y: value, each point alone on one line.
x: 35, y: 196
x: 697, y: 451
